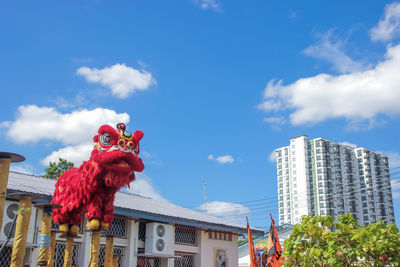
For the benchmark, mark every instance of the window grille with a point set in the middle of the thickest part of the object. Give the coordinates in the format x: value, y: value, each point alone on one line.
x: 185, y: 235
x: 185, y: 260
x: 142, y: 231
x: 118, y: 227
x: 117, y: 251
x: 147, y: 261
x: 59, y: 254
x: 5, y: 256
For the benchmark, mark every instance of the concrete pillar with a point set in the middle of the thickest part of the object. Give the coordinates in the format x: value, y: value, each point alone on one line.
x: 130, y: 258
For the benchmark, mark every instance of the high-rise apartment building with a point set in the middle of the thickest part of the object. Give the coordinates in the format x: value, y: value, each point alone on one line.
x: 322, y: 177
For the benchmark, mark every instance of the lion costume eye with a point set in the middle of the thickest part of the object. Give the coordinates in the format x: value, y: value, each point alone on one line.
x: 121, y: 142
x: 130, y: 144
x: 105, y: 139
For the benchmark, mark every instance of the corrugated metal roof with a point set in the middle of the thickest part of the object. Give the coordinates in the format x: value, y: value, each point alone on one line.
x: 133, y: 205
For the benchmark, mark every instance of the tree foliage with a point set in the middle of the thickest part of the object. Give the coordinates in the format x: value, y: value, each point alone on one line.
x: 55, y: 169
x: 313, y: 243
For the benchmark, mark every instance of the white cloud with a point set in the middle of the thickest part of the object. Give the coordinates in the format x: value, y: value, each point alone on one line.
x: 78, y: 100
x: 208, y: 4
x: 348, y: 144
x: 272, y: 157
x: 76, y: 154
x: 223, y: 209
x: 222, y: 159
x: 78, y: 127
x: 358, y: 96
x: 389, y: 26
x: 143, y: 185
x: 395, y: 188
x: 22, y: 168
x: 394, y: 159
x: 332, y: 51
x: 81, y: 60
x: 275, y: 120
x: 121, y: 79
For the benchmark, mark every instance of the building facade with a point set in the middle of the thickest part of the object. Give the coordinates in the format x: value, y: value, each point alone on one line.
x: 197, y: 239
x: 322, y: 177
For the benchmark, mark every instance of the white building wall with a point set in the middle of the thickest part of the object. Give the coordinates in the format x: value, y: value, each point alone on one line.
x: 208, y: 247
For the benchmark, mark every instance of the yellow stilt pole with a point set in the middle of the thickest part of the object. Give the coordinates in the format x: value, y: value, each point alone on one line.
x: 5, y: 160
x: 4, y: 171
x: 115, y: 261
x: 69, y: 250
x: 21, y: 231
x: 109, y: 251
x: 44, y: 242
x: 95, y: 249
x: 45, y: 233
x: 52, y: 248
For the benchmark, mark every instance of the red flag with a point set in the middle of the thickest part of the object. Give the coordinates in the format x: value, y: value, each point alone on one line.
x: 252, y: 253
x: 274, y: 249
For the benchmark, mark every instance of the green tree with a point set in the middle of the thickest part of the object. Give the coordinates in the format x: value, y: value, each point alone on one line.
x: 55, y: 169
x: 313, y: 243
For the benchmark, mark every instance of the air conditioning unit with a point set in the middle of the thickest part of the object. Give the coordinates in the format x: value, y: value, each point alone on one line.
x: 159, y: 239
x: 9, y: 208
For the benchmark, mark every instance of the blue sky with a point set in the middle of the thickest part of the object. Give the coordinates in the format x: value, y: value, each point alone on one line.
x: 215, y: 86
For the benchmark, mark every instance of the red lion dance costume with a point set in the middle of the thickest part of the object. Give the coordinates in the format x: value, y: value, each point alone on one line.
x: 93, y: 186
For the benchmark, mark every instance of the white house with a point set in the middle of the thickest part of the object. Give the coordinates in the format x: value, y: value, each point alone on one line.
x: 197, y: 239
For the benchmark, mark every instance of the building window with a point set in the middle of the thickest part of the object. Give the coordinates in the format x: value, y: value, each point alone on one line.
x: 5, y: 256
x: 220, y: 236
x: 147, y: 261
x: 118, y: 227
x: 59, y: 254
x: 142, y: 231
x: 186, y: 260
x: 117, y: 251
x: 185, y: 235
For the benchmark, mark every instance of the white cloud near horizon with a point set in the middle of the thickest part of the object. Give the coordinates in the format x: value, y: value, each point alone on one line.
x: 389, y: 26
x: 23, y: 168
x: 223, y: 209
x: 208, y: 4
x: 74, y: 153
x: 348, y: 144
x: 121, y: 79
x: 395, y: 188
x: 332, y: 51
x: 143, y: 186
x: 272, y: 157
x: 394, y: 159
x: 357, y: 96
x: 222, y: 159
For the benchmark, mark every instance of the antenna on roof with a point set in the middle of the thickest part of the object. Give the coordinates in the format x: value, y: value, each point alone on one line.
x: 205, y: 193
